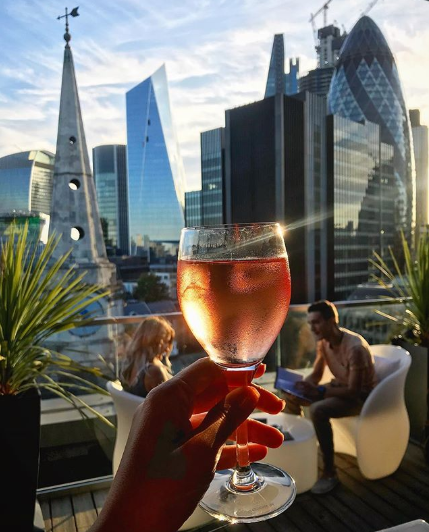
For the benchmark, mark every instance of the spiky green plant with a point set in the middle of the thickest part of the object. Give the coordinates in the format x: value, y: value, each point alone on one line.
x: 411, y: 284
x: 39, y: 298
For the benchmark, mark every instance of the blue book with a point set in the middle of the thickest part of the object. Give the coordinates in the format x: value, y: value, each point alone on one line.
x: 286, y: 381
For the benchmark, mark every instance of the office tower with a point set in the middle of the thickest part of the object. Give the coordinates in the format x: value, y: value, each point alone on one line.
x: 329, y: 180
x: 366, y: 86
x: 269, y: 178
x: 277, y: 81
x: 318, y: 81
x: 330, y: 42
x: 26, y: 181
x: 212, y: 176
x: 421, y: 151
x: 155, y: 168
x: 276, y: 72
x: 193, y: 208
x: 110, y: 174
x: 361, y: 197
x: 291, y: 78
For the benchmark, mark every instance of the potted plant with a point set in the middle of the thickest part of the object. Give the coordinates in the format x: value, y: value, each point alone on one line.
x: 39, y: 297
x: 411, y: 284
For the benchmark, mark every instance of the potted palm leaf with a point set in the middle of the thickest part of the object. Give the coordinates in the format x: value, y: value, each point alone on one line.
x: 411, y: 284
x: 39, y: 297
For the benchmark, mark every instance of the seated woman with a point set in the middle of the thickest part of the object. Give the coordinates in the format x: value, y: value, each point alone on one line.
x: 146, y: 363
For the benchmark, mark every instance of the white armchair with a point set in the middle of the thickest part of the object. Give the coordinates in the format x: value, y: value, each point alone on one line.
x: 125, y: 406
x: 379, y: 435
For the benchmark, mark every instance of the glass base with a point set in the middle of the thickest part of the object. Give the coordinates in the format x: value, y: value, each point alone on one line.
x: 275, y: 492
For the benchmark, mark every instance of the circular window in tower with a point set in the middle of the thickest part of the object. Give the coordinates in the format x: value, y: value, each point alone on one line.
x: 72, y: 140
x: 77, y: 233
x: 74, y: 184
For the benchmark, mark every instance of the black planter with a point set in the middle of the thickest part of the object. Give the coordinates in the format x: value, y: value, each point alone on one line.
x: 19, y: 454
x: 416, y: 392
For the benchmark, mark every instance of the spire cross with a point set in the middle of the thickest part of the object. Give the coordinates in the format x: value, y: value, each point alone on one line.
x: 73, y: 13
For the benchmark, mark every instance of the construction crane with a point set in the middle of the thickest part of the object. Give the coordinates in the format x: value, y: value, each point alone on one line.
x: 324, y: 8
x: 368, y: 9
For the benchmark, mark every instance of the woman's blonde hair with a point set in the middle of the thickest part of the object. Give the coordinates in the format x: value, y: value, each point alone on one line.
x: 153, y: 337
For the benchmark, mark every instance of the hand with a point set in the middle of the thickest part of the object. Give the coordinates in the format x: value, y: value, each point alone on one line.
x: 174, y: 448
x: 294, y: 403
x: 308, y: 389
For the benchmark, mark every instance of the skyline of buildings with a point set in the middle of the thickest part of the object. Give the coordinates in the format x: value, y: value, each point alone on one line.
x: 359, y: 203
x: 332, y: 180
x: 327, y: 179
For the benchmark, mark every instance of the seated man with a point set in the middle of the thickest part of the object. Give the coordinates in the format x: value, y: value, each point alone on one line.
x: 348, y: 357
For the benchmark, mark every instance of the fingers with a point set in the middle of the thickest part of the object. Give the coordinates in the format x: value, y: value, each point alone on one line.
x: 223, y: 419
x: 258, y: 432
x: 268, y: 402
x: 200, y: 375
x: 180, y: 395
x: 264, y: 434
x: 260, y: 371
x: 216, y: 391
x: 228, y: 457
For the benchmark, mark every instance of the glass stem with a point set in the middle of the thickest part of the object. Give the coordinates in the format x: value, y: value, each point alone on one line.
x: 241, y: 438
x: 243, y: 478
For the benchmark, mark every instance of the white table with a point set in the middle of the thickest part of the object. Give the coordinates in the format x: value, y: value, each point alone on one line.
x: 298, y: 457
x: 413, y: 526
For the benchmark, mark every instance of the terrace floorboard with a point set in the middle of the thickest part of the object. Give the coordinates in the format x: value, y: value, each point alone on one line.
x: 356, y: 505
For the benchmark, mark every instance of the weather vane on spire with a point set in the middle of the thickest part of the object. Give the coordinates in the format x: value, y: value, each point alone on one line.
x: 73, y: 13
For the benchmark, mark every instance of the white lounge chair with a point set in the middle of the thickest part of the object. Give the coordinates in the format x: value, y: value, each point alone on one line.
x: 379, y: 435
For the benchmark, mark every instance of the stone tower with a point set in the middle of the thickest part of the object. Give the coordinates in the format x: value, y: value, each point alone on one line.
x: 75, y: 219
x: 74, y: 211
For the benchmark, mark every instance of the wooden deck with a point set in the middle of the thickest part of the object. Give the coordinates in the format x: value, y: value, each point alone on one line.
x: 357, y: 505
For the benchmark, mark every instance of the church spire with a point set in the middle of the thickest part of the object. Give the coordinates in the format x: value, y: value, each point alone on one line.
x: 74, y: 212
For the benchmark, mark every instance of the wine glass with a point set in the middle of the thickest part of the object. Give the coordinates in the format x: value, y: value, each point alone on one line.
x: 233, y: 285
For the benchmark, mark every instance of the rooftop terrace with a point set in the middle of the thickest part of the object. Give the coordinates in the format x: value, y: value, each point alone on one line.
x: 356, y: 505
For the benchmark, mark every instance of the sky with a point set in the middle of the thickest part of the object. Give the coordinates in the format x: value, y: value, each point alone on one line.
x: 216, y: 53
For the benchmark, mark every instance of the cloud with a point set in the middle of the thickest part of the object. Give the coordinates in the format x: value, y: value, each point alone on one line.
x: 216, y: 53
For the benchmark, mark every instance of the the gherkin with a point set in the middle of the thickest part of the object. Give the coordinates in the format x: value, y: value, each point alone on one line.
x: 366, y: 87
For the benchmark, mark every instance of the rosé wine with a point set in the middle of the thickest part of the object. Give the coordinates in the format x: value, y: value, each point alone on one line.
x: 235, y: 308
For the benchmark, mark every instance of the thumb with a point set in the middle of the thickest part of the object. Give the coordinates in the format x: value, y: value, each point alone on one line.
x: 222, y: 420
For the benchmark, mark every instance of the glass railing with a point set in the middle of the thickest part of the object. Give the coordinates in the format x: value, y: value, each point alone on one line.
x: 75, y: 449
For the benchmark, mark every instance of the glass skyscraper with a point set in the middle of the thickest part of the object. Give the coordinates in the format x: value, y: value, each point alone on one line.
x: 155, y: 168
x: 26, y: 181
x: 277, y: 81
x: 110, y: 174
x: 366, y: 86
x: 421, y: 155
x: 362, y: 192
x: 193, y: 208
x: 212, y: 176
